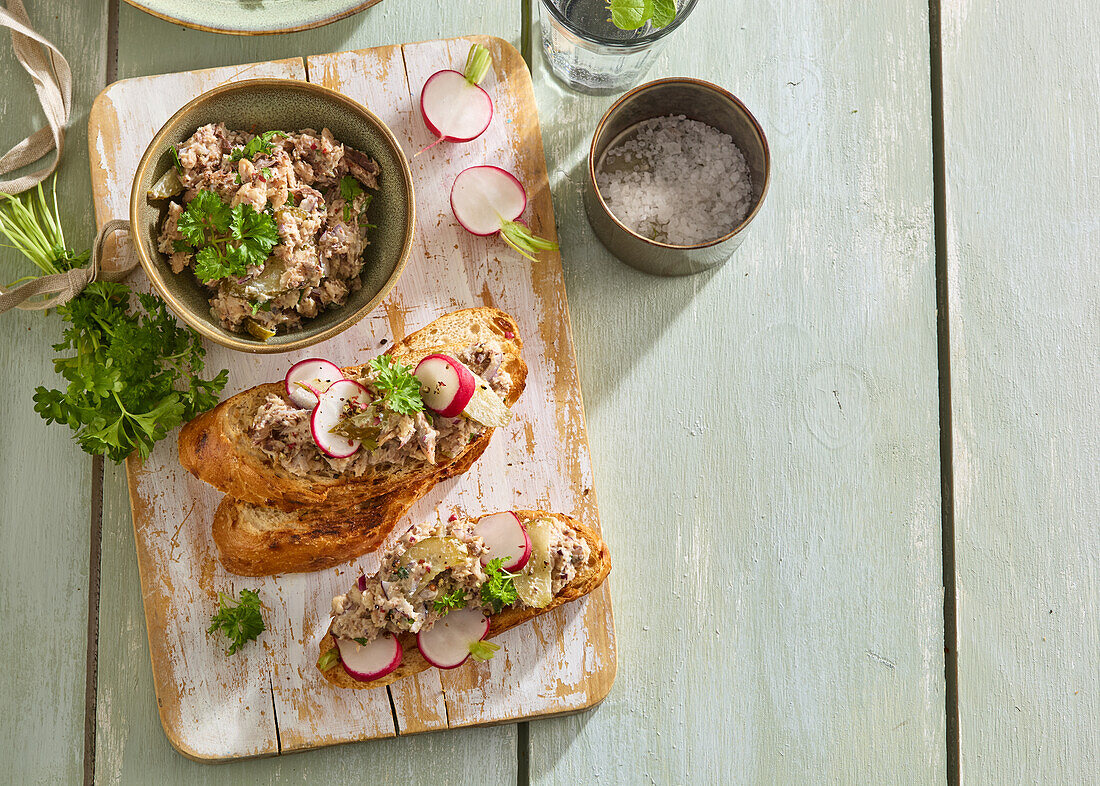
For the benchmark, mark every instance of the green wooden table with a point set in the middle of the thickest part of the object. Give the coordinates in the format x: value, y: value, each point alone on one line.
x: 850, y: 479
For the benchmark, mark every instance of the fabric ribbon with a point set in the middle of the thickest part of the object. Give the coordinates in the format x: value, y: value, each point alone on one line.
x: 65, y: 286
x: 53, y: 81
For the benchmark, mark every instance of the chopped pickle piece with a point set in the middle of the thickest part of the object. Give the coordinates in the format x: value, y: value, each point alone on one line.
x: 362, y: 426
x: 486, y: 407
x: 533, y: 582
x: 256, y: 330
x: 265, y: 285
x: 168, y: 185
x: 442, y: 553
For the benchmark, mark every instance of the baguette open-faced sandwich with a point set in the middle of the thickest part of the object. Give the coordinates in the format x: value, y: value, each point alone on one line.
x: 444, y: 589
x: 318, y: 468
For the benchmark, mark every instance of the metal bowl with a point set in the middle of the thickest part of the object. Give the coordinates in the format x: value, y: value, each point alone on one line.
x: 260, y: 105
x: 696, y: 100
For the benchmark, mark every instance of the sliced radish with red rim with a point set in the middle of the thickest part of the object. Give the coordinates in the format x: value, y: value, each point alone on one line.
x: 446, y: 385
x: 446, y: 645
x: 484, y: 197
x: 487, y: 200
x: 308, y: 379
x: 366, y: 662
x: 328, y: 413
x: 454, y: 106
x: 506, y: 538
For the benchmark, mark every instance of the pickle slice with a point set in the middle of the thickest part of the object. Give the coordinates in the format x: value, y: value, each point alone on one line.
x: 533, y: 582
x: 168, y: 185
x: 441, y: 552
x: 256, y: 330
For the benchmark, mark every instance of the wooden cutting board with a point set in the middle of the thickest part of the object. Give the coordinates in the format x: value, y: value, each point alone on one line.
x: 269, y: 698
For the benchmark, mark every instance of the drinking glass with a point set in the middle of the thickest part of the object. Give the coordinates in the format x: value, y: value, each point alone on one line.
x: 589, y: 54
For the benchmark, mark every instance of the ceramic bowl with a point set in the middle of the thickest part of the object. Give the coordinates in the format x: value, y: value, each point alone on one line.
x: 696, y: 100
x: 261, y: 105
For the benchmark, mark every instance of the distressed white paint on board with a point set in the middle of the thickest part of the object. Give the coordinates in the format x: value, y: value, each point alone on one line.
x: 541, y: 461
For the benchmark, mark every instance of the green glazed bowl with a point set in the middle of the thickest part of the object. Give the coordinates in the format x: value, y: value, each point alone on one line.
x: 261, y: 105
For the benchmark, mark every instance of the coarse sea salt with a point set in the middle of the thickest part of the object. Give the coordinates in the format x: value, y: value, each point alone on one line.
x: 677, y: 181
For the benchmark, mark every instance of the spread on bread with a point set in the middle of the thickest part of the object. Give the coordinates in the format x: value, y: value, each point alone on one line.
x: 381, y: 419
x: 444, y: 581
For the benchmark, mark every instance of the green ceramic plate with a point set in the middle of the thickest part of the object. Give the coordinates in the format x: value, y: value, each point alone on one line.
x: 252, y: 17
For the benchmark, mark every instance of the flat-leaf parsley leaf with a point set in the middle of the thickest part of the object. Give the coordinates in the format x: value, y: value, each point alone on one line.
x: 499, y: 591
x: 241, y: 621
x: 399, y: 388
x: 450, y: 601
x: 228, y: 240
x: 261, y: 143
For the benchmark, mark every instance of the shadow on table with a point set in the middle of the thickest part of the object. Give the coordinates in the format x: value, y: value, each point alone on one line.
x: 618, y: 313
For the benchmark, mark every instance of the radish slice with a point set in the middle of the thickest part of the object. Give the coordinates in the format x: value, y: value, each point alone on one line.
x: 329, y: 411
x: 454, y: 109
x: 446, y: 385
x: 446, y: 645
x: 484, y: 197
x: 366, y: 662
x: 308, y: 379
x: 454, y: 106
x: 505, y: 537
x: 487, y: 200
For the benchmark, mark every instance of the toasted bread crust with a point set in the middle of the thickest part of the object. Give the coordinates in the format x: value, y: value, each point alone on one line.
x: 257, y: 541
x: 587, y: 579
x: 215, y: 446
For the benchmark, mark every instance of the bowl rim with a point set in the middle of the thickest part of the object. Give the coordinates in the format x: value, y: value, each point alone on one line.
x: 681, y: 80
x: 363, y: 5
x: 222, y: 337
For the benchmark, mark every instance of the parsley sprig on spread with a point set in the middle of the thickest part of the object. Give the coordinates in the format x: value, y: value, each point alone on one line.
x: 499, y: 591
x: 133, y: 375
x: 241, y: 621
x: 399, y: 388
x: 450, y: 601
x: 227, y: 240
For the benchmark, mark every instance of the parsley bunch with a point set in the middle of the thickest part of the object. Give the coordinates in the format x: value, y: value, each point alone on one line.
x: 133, y: 376
x: 499, y: 591
x: 241, y: 621
x: 228, y: 240
x: 632, y: 14
x: 399, y: 388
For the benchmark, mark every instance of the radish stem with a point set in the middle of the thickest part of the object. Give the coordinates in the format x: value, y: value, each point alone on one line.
x: 477, y: 64
x: 520, y: 238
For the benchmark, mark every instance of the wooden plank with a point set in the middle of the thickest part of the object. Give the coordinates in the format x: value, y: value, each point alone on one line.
x: 765, y: 435
x: 1021, y: 121
x: 547, y: 463
x: 46, y: 482
x: 131, y: 742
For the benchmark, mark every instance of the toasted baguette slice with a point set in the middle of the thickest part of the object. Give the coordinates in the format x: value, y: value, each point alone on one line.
x: 256, y: 541
x: 216, y: 448
x: 589, y: 576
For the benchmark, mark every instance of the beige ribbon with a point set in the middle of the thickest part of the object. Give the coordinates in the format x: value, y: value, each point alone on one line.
x: 65, y: 286
x: 53, y: 81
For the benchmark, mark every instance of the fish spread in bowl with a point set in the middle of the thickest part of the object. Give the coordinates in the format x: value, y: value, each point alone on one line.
x: 273, y: 224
